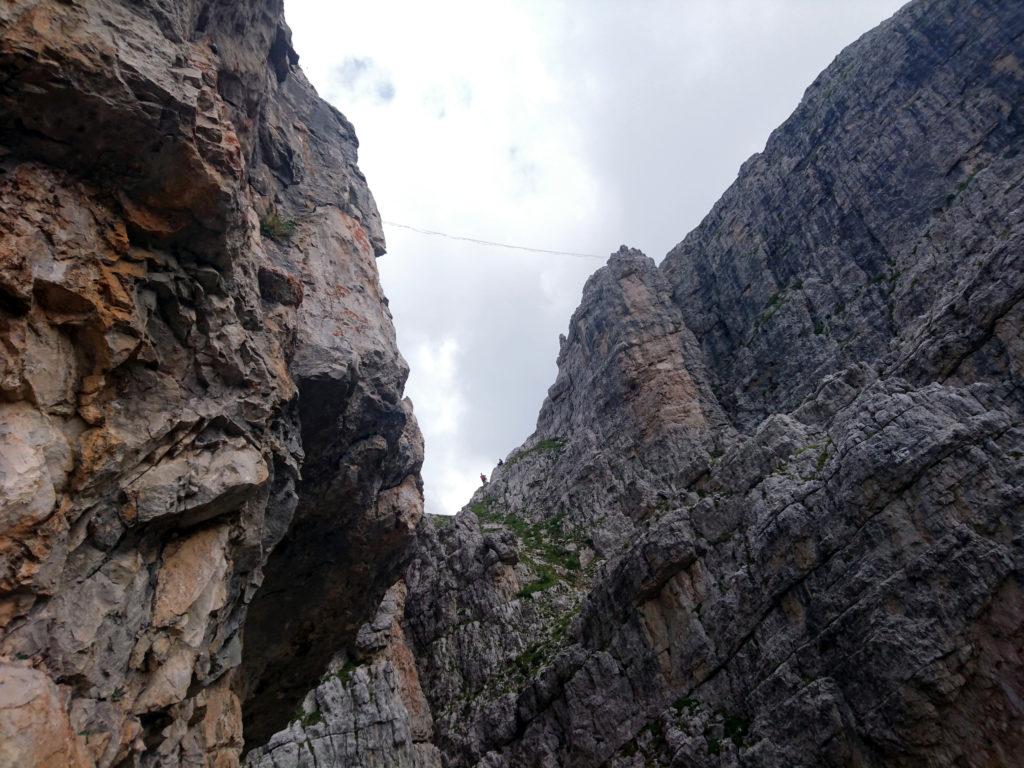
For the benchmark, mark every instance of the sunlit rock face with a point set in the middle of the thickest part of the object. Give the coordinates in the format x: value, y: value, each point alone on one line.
x: 199, y: 378
x: 773, y: 511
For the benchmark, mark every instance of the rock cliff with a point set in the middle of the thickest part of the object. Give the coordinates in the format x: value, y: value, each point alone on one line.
x: 208, y: 473
x: 773, y: 511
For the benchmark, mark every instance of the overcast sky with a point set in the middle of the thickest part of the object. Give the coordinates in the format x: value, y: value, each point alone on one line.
x: 574, y: 126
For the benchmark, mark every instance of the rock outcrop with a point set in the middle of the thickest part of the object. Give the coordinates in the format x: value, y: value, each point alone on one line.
x: 208, y: 474
x: 773, y: 512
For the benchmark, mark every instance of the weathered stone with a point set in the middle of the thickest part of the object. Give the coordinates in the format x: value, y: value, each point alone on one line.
x: 772, y: 512
x: 373, y: 714
x: 203, y: 482
x: 160, y: 338
x: 34, y: 728
x: 27, y: 488
x: 190, y: 582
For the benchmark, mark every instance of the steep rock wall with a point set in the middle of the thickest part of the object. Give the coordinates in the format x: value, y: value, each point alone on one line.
x: 773, y: 511
x: 187, y: 274
x: 879, y: 224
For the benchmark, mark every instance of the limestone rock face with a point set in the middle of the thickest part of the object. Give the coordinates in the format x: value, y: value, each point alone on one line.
x: 369, y: 709
x: 772, y: 514
x: 879, y: 225
x: 198, y: 379
x: 773, y: 511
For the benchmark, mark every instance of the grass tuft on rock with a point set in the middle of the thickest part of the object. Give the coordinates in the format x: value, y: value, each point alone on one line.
x: 276, y: 227
x: 547, y: 446
x: 546, y: 579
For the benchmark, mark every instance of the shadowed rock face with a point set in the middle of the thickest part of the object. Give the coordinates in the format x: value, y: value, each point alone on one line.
x: 879, y: 223
x: 199, y: 380
x: 773, y: 511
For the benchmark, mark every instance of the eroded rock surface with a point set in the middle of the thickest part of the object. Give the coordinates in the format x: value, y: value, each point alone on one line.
x: 773, y: 512
x: 199, y: 378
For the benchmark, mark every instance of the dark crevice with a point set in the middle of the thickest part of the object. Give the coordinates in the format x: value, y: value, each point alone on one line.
x: 331, y: 569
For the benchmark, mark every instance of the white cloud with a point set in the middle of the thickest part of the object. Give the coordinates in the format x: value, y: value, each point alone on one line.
x: 434, y: 376
x: 567, y: 126
x: 451, y: 471
x: 360, y: 78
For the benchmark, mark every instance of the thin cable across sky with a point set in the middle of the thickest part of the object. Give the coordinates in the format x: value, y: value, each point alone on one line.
x: 435, y: 233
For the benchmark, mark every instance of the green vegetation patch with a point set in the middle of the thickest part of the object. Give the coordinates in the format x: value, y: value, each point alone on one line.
x: 276, y: 227
x: 344, y: 675
x: 441, y: 521
x: 961, y: 187
x: 311, y: 718
x: 534, y: 657
x: 685, y: 704
x: 714, y: 746
x: 483, y: 511
x: 735, y: 729
x: 545, y: 580
x: 649, y: 743
x: 657, y: 734
x: 774, y: 303
x: 823, y: 456
x: 545, y: 541
x: 549, y: 445
x: 306, y: 719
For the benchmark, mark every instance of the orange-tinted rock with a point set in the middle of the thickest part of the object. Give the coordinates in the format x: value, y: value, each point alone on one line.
x: 34, y: 727
x: 152, y: 435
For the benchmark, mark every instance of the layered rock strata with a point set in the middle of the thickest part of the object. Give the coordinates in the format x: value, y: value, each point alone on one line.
x: 773, y: 512
x: 199, y: 379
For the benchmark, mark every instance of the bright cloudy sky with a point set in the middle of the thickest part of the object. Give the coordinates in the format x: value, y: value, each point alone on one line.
x: 574, y: 126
